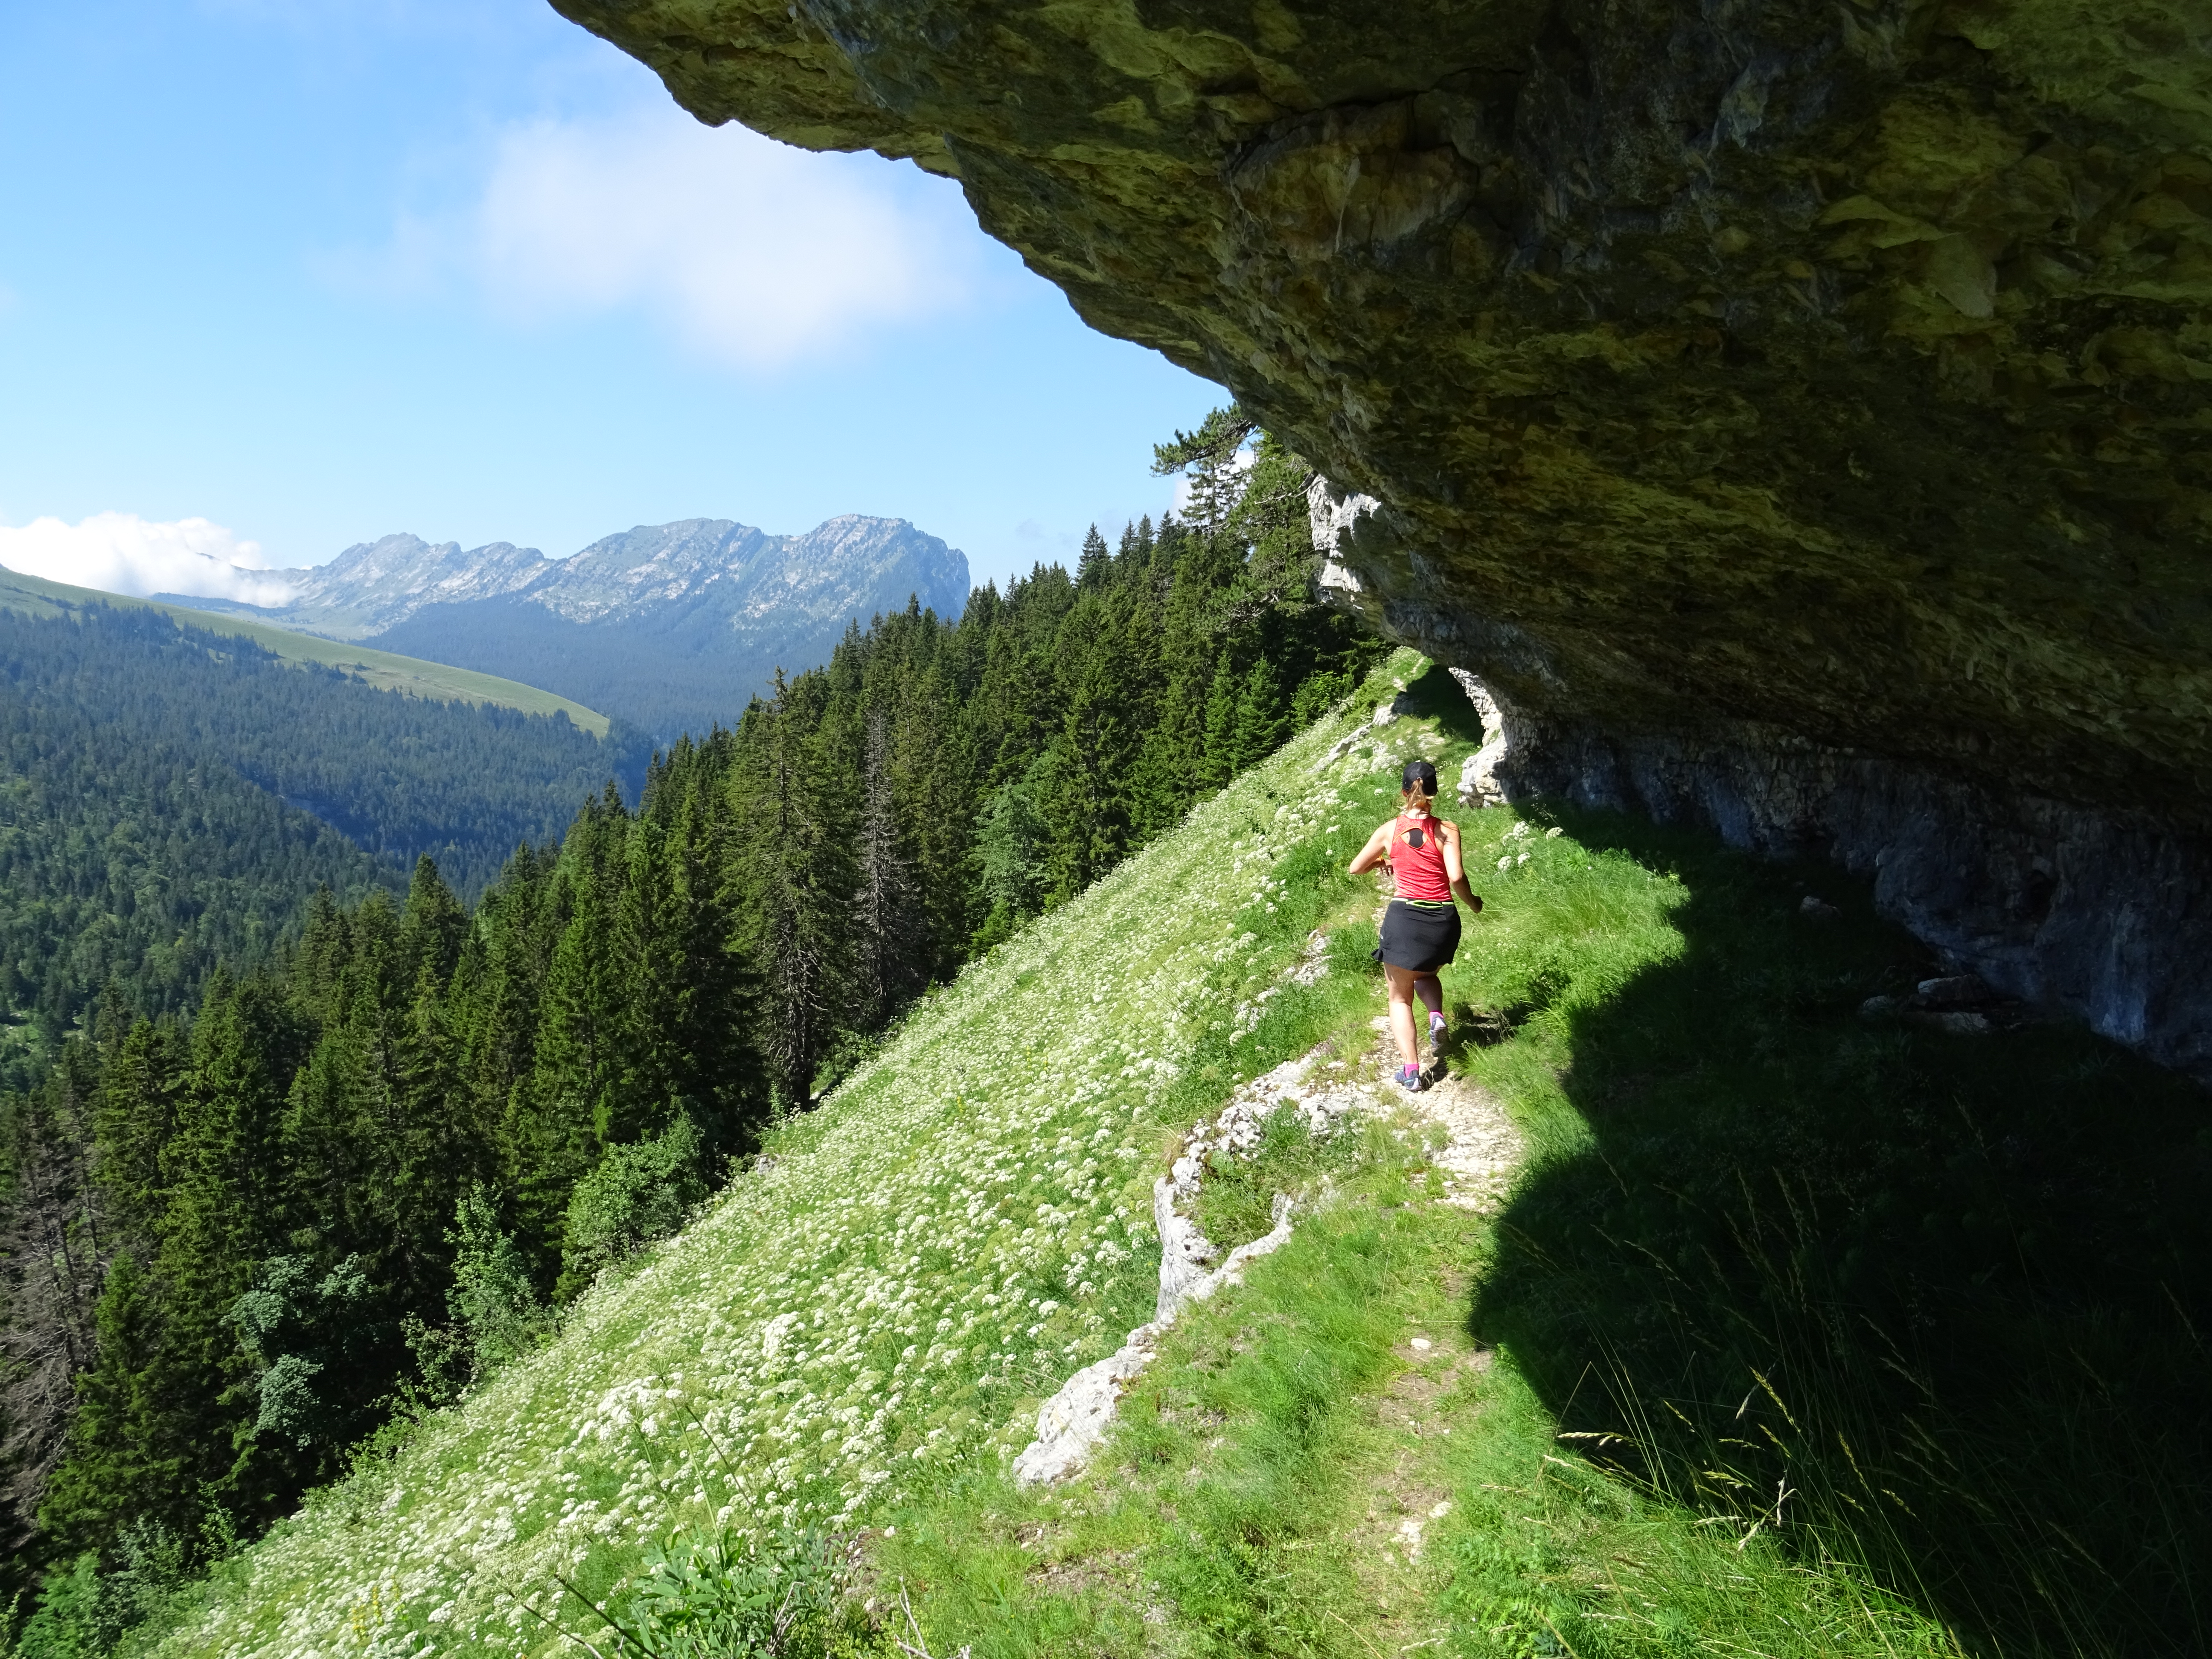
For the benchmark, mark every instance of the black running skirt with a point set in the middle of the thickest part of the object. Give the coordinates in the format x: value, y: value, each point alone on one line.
x: 1417, y: 937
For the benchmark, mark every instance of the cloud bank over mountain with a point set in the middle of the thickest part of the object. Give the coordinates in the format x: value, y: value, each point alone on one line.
x: 122, y: 553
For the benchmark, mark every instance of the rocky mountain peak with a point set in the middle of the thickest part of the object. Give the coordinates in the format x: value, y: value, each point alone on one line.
x: 373, y: 585
x: 671, y: 626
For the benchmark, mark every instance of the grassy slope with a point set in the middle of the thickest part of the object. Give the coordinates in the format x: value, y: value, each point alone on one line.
x: 1257, y: 1495
x: 1004, y: 1147
x: 867, y: 1326
x: 439, y: 682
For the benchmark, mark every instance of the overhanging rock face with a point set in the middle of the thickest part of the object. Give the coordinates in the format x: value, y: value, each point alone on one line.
x: 1799, y: 414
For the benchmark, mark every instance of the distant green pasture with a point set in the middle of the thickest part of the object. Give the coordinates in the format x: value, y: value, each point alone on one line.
x: 438, y: 681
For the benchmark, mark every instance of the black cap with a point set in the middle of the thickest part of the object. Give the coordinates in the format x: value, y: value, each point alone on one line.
x: 1421, y: 773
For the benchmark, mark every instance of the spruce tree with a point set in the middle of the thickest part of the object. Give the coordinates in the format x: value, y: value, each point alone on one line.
x: 129, y: 1456
x: 178, y: 1420
x: 889, y: 943
x: 1090, y: 569
x: 692, y: 995
x: 139, y: 1091
x: 555, y: 1132
x: 1257, y: 730
x: 1217, y: 756
x: 497, y: 986
x: 55, y: 1245
x: 794, y: 883
x: 1086, y: 811
x: 432, y: 927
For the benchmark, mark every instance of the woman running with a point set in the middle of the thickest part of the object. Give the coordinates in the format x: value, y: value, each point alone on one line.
x: 1420, y: 927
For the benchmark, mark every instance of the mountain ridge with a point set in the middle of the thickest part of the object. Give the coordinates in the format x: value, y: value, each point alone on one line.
x: 675, y: 626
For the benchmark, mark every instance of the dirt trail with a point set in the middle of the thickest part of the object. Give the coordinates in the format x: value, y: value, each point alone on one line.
x: 1394, y: 1487
x: 1399, y: 1466
x: 1483, y: 1150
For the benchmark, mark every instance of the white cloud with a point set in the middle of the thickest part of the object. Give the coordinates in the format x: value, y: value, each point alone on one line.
x: 748, y: 249
x: 122, y: 553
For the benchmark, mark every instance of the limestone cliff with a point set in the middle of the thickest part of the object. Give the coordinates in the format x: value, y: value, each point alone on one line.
x: 1796, y: 411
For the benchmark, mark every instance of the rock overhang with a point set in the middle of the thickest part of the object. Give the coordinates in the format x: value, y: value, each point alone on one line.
x: 1751, y: 381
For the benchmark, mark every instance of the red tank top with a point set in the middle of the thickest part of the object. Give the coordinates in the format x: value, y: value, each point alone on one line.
x: 1417, y: 860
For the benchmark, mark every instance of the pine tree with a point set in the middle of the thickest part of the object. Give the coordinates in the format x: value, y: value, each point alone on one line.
x: 1257, y: 730
x: 889, y: 945
x: 1216, y: 758
x: 1210, y: 457
x: 1090, y: 569
x: 794, y: 884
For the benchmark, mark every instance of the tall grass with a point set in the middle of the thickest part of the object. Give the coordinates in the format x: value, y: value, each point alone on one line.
x: 1925, y: 1304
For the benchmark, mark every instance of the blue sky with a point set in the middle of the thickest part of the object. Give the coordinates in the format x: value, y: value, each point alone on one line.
x: 292, y: 274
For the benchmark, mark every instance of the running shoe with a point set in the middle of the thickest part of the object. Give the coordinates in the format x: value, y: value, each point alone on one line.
x: 1412, y: 1078
x: 1436, y: 1033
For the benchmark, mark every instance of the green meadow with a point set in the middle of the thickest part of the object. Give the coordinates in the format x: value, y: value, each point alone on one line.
x: 439, y: 682
x: 1798, y: 1332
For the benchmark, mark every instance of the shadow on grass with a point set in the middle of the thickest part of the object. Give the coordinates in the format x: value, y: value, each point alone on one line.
x: 1937, y: 1304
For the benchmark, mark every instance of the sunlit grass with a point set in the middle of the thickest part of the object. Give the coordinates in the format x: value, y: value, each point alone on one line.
x: 1717, y: 1144
x: 1246, y: 1502
x: 879, y: 1309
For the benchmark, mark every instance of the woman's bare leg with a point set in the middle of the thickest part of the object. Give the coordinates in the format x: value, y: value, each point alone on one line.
x: 1401, y: 980
x: 1431, y: 990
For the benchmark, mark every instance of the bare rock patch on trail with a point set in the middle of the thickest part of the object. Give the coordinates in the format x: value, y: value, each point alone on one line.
x: 1477, y: 1161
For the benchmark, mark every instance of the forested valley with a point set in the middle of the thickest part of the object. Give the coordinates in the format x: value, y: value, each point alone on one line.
x: 252, y: 1241
x: 170, y: 797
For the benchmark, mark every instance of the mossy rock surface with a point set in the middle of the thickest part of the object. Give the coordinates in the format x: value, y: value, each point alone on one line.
x: 1843, y: 367
x: 1747, y: 383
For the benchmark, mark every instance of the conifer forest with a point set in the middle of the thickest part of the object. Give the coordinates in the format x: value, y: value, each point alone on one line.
x: 169, y: 797
x: 248, y: 1232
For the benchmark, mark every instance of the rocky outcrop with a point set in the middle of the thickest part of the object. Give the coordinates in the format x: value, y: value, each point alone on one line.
x: 2088, y: 909
x: 1074, y: 1422
x: 1788, y: 390
x: 2102, y: 914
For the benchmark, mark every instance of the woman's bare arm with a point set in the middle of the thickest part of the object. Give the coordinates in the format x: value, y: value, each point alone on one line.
x: 1456, y: 867
x: 1372, y: 855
